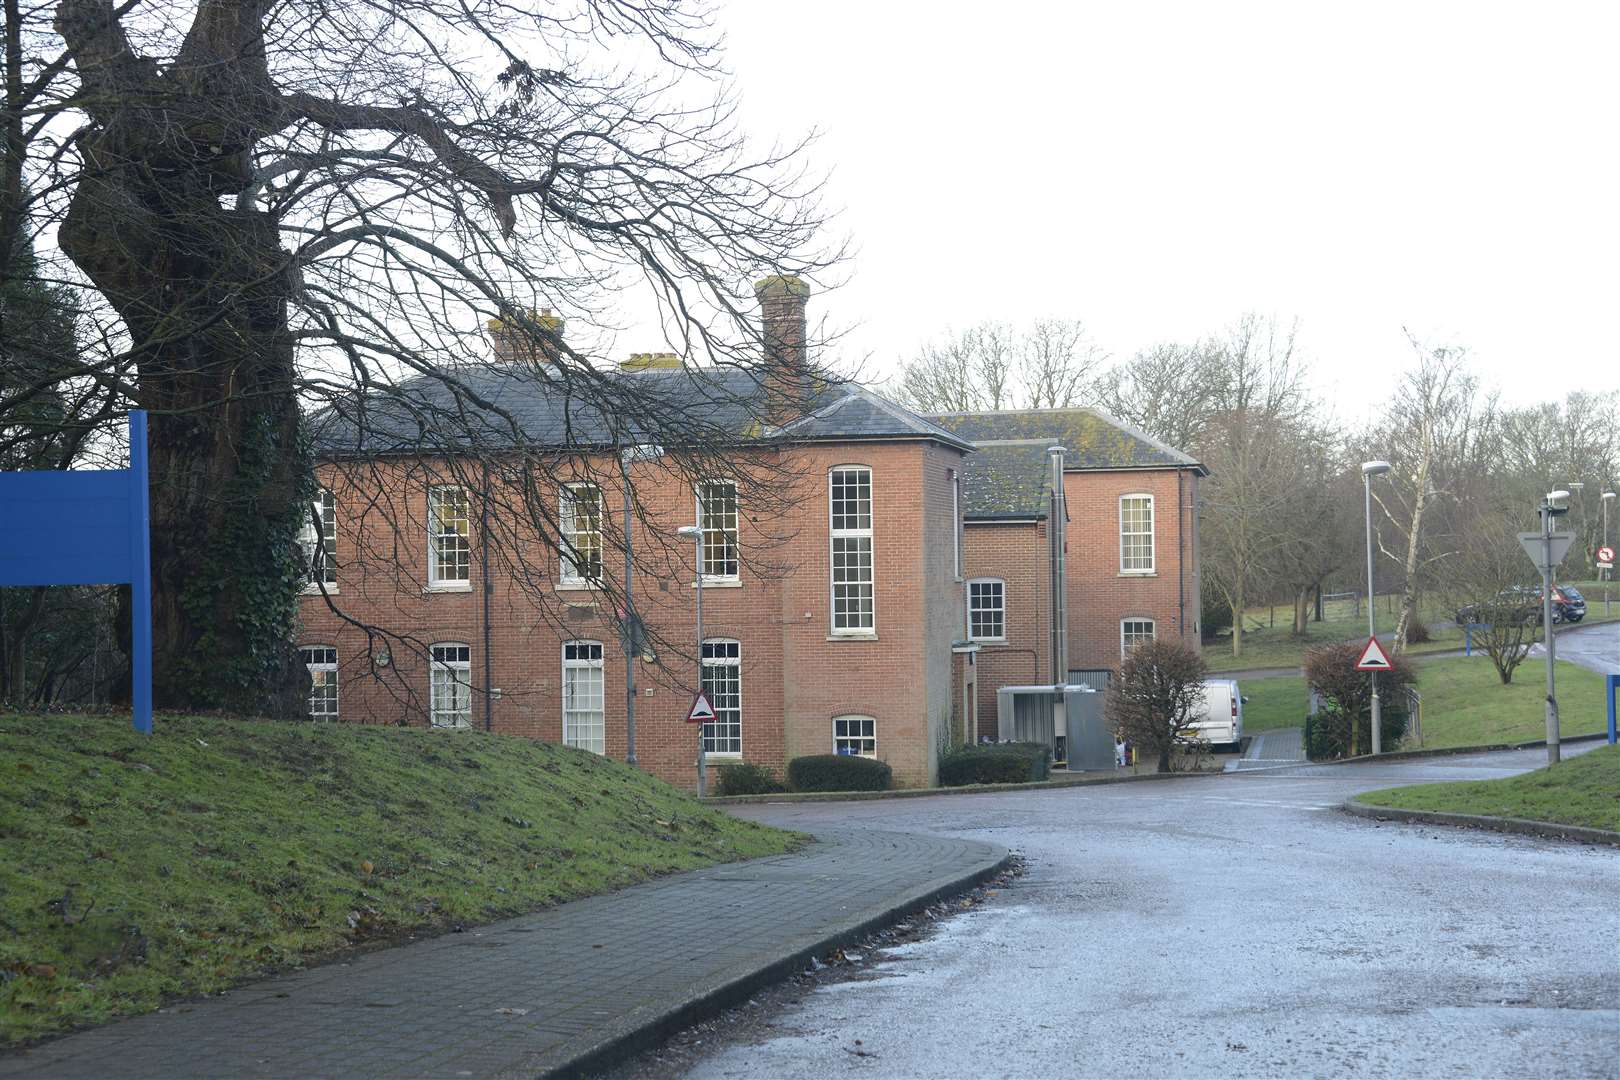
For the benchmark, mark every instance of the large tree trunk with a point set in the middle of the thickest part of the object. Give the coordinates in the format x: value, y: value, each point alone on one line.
x: 1414, y: 537
x: 1302, y: 611
x: 203, y: 291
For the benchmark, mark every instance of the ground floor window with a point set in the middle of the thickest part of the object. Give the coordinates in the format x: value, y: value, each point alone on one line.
x: 450, y: 689
x: 855, y: 735
x: 722, y: 682
x: 321, y: 660
x: 584, y: 725
x: 1134, y: 632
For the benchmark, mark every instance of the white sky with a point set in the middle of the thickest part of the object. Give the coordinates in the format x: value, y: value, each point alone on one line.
x: 1157, y: 168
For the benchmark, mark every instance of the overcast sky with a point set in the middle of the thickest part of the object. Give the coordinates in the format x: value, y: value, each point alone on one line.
x: 1156, y: 169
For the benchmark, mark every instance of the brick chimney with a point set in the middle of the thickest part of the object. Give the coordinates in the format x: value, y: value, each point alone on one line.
x: 787, y: 384
x: 513, y: 344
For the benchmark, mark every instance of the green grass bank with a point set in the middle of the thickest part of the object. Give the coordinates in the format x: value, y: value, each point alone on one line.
x: 1464, y: 703
x: 1584, y: 790
x: 138, y: 869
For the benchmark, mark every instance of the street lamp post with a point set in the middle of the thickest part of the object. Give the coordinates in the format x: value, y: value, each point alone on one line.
x: 1575, y: 488
x: 695, y: 533
x: 1555, y: 504
x: 1370, y: 469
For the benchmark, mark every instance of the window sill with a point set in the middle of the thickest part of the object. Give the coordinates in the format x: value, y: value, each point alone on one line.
x: 863, y: 636
x: 577, y: 586
x: 1138, y: 573
x: 716, y: 755
x: 720, y: 583
x: 316, y: 590
x: 988, y: 640
x: 448, y: 587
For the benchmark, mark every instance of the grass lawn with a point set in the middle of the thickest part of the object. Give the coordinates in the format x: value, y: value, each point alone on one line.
x: 1581, y: 791
x: 1464, y: 703
x: 1266, y: 645
x: 136, y: 869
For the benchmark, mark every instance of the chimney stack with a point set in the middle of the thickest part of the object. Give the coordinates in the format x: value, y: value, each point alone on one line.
x: 787, y: 383
x: 513, y: 344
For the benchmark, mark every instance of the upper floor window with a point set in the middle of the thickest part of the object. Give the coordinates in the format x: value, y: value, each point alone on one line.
x: 717, y: 514
x: 1136, y: 534
x: 856, y: 735
x: 321, y: 661
x: 722, y: 682
x: 449, y: 529
x: 319, y: 544
x: 987, y: 610
x: 584, y: 716
x: 1134, y: 632
x: 450, y: 686
x: 850, y: 498
x: 580, y: 519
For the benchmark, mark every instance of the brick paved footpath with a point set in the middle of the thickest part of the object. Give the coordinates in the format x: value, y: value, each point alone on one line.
x: 551, y: 992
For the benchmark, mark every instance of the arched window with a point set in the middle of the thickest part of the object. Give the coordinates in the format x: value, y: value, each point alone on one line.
x: 584, y: 725
x: 987, y: 609
x: 450, y: 685
x: 321, y: 660
x: 722, y: 682
x: 849, y: 497
x: 855, y: 735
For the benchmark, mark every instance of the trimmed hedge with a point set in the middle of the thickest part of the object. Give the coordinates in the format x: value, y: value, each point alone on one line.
x: 743, y: 778
x: 839, y: 772
x: 996, y: 763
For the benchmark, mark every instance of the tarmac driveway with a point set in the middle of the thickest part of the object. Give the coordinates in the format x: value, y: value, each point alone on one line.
x: 1238, y: 925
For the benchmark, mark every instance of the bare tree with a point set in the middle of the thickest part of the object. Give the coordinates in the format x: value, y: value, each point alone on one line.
x: 270, y: 209
x: 1170, y: 391
x: 1158, y: 696
x: 1486, y: 584
x: 1056, y: 362
x: 1434, y: 424
x: 1258, y: 417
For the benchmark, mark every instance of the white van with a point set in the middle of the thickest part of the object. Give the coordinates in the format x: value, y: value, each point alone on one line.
x: 1223, y: 714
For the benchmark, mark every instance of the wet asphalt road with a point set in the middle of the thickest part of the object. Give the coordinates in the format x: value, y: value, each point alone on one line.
x: 1596, y: 647
x: 1229, y: 926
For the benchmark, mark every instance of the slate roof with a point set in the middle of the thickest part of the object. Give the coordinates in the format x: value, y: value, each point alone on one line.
x: 1007, y: 475
x: 495, y: 407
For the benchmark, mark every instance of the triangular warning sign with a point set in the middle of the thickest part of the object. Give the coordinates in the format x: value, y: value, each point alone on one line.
x: 1373, y: 657
x: 701, y: 711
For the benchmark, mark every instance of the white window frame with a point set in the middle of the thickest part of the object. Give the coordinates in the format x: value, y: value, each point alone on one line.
x: 722, y: 659
x: 856, y: 534
x: 449, y: 549
x: 856, y: 737
x: 1125, y: 559
x: 320, y: 548
x: 323, y: 681
x: 584, y: 671
x: 568, y: 499
x: 450, y: 686
x: 1000, y: 609
x: 1126, y: 644
x: 722, y: 532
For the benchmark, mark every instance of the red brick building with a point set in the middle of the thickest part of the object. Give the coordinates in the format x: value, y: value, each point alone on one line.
x: 835, y: 611
x: 1131, y: 542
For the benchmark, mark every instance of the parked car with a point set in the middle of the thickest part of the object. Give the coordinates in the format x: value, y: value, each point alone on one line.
x: 1568, y: 604
x: 1519, y: 604
x: 1222, y: 722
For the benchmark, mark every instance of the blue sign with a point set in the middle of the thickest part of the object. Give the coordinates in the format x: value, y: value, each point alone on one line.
x: 87, y: 527
x: 1614, y: 693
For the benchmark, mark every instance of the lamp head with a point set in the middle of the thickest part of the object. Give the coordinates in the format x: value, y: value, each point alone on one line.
x: 691, y: 532
x: 1609, y: 494
x: 1373, y: 468
x: 1556, y: 502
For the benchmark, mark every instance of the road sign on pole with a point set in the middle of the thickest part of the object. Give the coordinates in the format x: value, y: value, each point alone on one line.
x: 701, y: 711
x: 1373, y: 657
x: 1605, y: 557
x: 1536, y: 545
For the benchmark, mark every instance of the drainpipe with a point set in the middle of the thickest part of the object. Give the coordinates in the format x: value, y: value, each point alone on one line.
x: 1056, y: 535
x: 488, y: 586
x: 1181, y: 557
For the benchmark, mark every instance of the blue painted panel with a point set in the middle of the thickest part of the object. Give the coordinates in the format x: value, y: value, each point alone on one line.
x: 65, y: 528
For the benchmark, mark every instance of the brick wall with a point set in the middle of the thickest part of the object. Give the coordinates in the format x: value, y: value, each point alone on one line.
x: 795, y: 676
